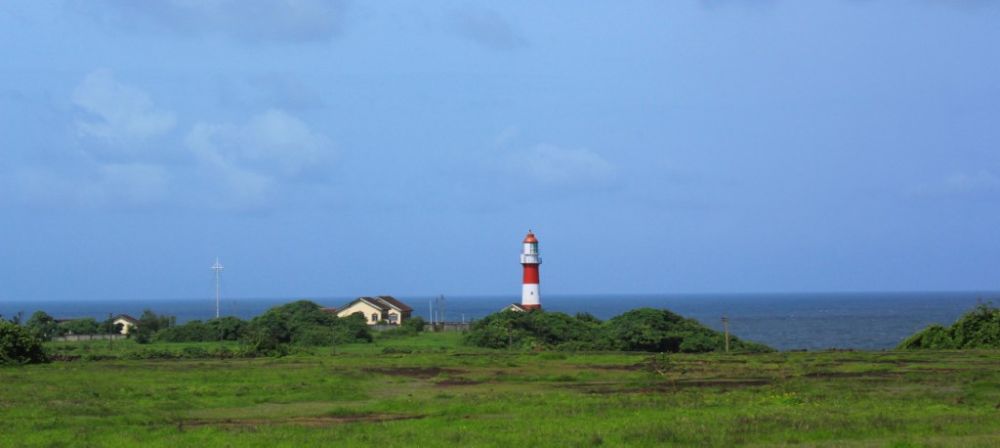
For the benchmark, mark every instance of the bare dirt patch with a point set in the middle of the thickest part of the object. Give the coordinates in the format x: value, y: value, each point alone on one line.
x: 458, y: 381
x: 412, y: 372
x: 317, y: 421
x: 625, y: 367
x: 671, y: 386
x: 878, y: 374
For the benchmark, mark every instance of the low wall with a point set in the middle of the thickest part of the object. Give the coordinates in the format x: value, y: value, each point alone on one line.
x: 88, y: 337
x: 443, y: 326
x: 447, y: 326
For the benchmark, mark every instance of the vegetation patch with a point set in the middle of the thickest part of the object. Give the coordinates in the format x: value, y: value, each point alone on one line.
x: 978, y: 328
x: 644, y: 329
x: 358, y: 396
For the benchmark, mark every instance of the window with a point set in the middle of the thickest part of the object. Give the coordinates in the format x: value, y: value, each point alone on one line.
x: 374, y: 317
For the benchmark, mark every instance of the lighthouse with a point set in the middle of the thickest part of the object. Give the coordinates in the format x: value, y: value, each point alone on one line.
x: 530, y: 296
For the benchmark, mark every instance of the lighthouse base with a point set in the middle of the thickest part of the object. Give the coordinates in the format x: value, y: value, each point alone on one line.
x: 531, y: 307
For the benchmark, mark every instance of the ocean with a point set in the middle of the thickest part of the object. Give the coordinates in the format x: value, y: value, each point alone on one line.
x: 787, y: 321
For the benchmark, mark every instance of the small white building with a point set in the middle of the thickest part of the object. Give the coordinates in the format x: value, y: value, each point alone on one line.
x: 378, y: 309
x: 127, y: 322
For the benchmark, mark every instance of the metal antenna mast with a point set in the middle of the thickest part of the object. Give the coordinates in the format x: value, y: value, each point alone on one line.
x: 217, y: 267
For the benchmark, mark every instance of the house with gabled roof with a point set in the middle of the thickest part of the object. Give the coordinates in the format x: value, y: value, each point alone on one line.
x: 127, y: 323
x: 377, y: 309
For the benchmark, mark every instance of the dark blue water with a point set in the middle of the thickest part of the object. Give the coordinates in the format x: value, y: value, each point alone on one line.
x: 870, y: 321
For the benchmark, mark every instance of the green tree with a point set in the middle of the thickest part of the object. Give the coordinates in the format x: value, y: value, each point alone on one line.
x: 149, y: 324
x: 19, y: 346
x: 87, y: 325
x: 42, y: 326
x: 228, y: 328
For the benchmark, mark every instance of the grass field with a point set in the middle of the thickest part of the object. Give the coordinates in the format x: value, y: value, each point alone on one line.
x: 431, y: 391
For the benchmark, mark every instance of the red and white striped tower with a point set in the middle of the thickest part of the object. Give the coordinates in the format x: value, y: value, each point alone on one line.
x: 530, y: 296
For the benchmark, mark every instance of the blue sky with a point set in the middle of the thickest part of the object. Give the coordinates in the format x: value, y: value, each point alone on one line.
x: 339, y: 148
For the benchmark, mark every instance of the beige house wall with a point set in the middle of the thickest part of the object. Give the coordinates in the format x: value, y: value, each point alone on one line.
x: 392, y: 312
x: 363, y: 308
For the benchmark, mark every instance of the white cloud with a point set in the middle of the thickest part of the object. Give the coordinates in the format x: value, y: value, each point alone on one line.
x: 117, y: 113
x: 273, y: 142
x: 556, y: 166
x: 252, y: 159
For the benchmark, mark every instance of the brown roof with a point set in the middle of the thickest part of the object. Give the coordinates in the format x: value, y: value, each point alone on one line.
x: 383, y: 303
x: 396, y: 303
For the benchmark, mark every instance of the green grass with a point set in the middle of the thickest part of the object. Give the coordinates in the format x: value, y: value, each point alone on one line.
x: 431, y: 391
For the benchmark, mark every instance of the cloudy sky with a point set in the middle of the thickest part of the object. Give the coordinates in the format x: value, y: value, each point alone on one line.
x: 337, y: 148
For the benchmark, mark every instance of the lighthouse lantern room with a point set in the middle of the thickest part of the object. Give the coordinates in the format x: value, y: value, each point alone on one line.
x: 530, y: 295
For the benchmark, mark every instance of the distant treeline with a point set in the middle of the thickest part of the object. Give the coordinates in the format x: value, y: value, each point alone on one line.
x: 978, y: 328
x: 643, y: 329
x: 301, y: 323
x: 45, y: 327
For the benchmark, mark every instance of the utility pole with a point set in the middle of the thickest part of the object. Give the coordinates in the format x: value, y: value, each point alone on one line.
x: 725, y: 328
x: 441, y: 309
x: 437, y: 306
x: 217, y: 267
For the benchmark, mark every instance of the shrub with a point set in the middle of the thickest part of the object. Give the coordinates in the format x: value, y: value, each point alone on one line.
x: 303, y: 323
x: 19, y: 346
x: 193, y: 331
x: 977, y: 328
x: 410, y: 327
x: 643, y: 329
x: 702, y: 342
x: 414, y: 325
x: 194, y: 352
x: 222, y: 329
x: 647, y: 329
x: 315, y: 335
x: 534, y: 329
